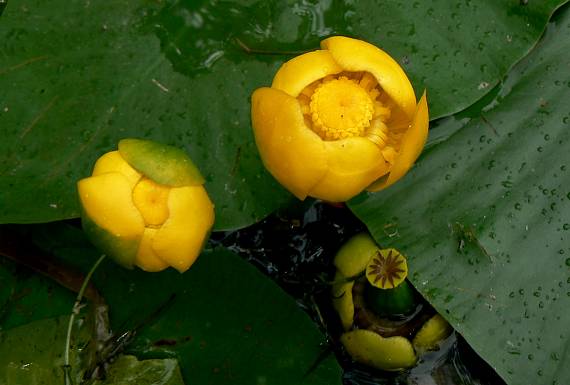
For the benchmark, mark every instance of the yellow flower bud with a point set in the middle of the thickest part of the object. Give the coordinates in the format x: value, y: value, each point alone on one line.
x: 339, y: 120
x: 146, y: 205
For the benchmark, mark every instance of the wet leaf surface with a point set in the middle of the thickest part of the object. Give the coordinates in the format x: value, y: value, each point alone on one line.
x: 226, y: 323
x: 483, y: 219
x: 25, y: 296
x: 32, y: 354
x: 128, y: 370
x: 78, y: 76
x: 296, y: 247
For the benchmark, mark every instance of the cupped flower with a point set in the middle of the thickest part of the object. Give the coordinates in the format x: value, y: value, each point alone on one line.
x: 146, y: 205
x: 339, y: 120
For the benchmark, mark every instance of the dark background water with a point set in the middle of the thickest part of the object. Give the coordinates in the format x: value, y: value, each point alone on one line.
x: 295, y: 247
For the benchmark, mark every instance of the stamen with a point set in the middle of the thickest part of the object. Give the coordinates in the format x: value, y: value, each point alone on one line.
x: 389, y: 154
x: 381, y: 112
x: 378, y: 133
x: 340, y: 109
x: 368, y: 81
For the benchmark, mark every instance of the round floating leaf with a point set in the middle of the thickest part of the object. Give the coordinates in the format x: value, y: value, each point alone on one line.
x: 33, y: 353
x: 484, y: 218
x: 222, y: 318
x: 128, y: 370
x: 82, y: 76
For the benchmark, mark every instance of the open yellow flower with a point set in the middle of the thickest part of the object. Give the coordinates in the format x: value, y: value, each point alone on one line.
x: 369, y: 281
x: 339, y: 120
x: 146, y: 205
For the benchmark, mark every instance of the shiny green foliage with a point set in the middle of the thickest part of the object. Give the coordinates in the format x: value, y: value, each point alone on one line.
x: 128, y: 370
x: 221, y: 319
x: 484, y: 218
x: 82, y: 76
x: 32, y: 354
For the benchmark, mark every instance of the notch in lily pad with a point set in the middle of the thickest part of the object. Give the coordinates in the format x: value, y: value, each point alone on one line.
x: 164, y: 164
x: 387, y: 269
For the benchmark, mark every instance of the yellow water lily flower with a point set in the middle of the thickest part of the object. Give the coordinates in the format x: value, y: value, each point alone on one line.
x: 369, y: 286
x: 146, y: 205
x: 339, y: 120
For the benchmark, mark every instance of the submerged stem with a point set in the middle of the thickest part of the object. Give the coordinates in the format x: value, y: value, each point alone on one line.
x: 74, y: 312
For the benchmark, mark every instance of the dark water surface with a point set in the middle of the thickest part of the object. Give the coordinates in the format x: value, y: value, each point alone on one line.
x: 296, y: 247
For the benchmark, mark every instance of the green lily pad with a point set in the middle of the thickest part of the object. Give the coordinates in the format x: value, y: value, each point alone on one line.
x: 32, y: 354
x: 484, y: 218
x: 128, y: 370
x: 82, y: 76
x: 457, y: 50
x: 26, y: 296
x: 227, y: 323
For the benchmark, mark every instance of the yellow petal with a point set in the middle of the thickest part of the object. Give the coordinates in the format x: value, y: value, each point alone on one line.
x: 413, y: 142
x: 357, y: 55
x: 369, y: 348
x: 146, y: 257
x: 354, y: 255
x: 110, y: 219
x: 180, y: 239
x: 353, y: 164
x: 114, y: 162
x: 432, y: 333
x: 342, y: 300
x: 291, y: 152
x: 299, y: 72
x: 107, y: 201
x: 151, y: 199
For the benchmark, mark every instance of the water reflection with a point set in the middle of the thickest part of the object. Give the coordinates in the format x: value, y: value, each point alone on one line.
x: 194, y: 35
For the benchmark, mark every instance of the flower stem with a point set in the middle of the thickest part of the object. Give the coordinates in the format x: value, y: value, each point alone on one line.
x: 74, y: 312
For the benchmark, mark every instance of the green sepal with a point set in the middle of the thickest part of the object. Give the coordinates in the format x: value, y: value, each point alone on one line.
x: 164, y: 164
x: 122, y: 251
x: 386, y: 302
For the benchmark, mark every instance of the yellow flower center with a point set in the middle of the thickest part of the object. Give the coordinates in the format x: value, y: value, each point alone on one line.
x: 351, y: 104
x: 151, y: 199
x: 341, y: 109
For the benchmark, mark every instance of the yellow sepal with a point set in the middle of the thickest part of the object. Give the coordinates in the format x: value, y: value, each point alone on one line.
x: 107, y: 201
x: 413, y: 142
x: 342, y: 300
x: 432, y: 333
x: 291, y: 152
x: 299, y: 72
x: 114, y: 162
x: 151, y: 200
x: 180, y: 239
x: 352, y: 164
x: 146, y: 258
x: 369, y: 348
x: 357, y: 55
x: 354, y: 255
